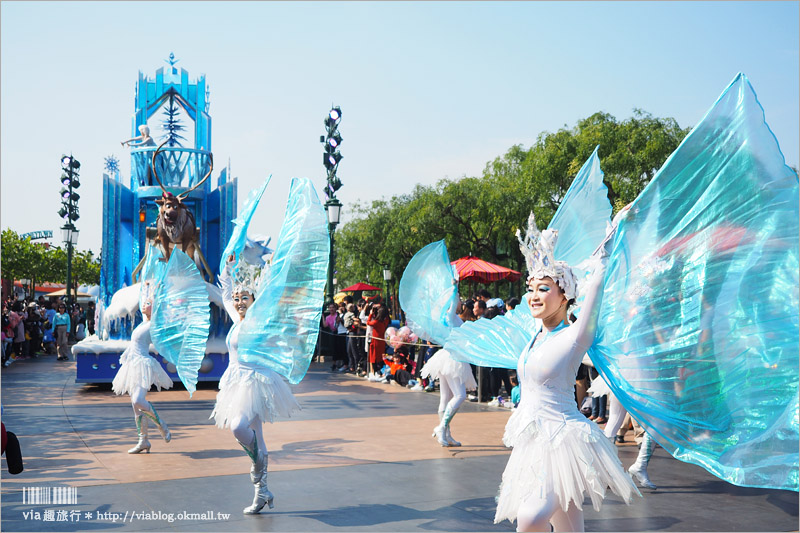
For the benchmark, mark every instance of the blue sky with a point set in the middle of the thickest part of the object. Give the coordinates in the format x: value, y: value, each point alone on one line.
x: 427, y: 89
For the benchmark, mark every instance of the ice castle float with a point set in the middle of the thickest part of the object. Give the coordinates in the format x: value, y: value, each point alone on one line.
x: 167, y: 104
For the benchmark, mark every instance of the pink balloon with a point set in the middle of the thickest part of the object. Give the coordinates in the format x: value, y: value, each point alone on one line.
x: 405, y: 331
x: 390, y: 332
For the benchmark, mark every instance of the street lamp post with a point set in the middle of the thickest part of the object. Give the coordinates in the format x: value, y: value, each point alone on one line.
x: 387, y: 277
x: 69, y: 234
x: 25, y: 286
x: 69, y: 212
x: 334, y: 208
x: 331, y: 158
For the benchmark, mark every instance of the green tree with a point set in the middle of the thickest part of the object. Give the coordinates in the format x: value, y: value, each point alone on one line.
x: 23, y: 259
x: 480, y: 215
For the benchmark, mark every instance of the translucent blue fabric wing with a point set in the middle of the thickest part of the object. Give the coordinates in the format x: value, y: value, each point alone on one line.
x: 181, y: 317
x: 698, y: 332
x: 582, y: 215
x: 281, y: 328
x: 240, y: 224
x: 581, y: 222
x: 498, y: 342
x: 428, y: 293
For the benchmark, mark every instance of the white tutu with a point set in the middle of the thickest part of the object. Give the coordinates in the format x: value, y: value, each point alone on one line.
x: 137, y: 370
x: 599, y: 388
x: 252, y: 393
x: 567, y: 458
x: 442, y: 363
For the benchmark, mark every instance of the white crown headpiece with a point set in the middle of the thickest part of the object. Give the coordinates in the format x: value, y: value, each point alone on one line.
x: 538, y: 247
x: 147, y: 290
x: 249, y: 277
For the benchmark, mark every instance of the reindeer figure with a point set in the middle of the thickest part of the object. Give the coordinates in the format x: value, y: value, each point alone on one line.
x: 175, y: 224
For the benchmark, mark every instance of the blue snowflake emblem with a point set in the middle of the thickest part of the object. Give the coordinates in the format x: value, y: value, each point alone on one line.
x: 112, y: 164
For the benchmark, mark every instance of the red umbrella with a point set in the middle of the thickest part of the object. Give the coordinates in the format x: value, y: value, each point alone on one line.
x: 474, y: 269
x: 360, y: 287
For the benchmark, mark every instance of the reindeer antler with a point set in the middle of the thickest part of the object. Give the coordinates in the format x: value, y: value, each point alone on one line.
x: 154, y: 166
x: 183, y: 195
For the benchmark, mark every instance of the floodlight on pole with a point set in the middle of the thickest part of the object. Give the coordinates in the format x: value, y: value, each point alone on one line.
x: 69, y: 211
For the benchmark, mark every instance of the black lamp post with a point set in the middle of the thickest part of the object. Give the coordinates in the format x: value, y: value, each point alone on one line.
x: 69, y: 212
x: 387, y: 277
x: 334, y: 208
x: 331, y: 158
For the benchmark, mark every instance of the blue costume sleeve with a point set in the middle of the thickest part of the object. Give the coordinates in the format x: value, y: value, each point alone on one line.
x: 181, y: 317
x: 281, y: 328
x: 428, y: 293
x: 698, y: 331
x: 240, y: 224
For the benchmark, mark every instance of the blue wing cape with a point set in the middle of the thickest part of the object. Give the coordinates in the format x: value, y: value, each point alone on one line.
x: 581, y: 221
x: 281, y: 328
x: 181, y: 317
x: 698, y: 333
x: 428, y: 293
x: 238, y: 239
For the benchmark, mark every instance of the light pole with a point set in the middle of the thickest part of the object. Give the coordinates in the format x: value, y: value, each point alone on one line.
x: 69, y: 235
x: 69, y: 212
x: 387, y: 277
x: 334, y: 208
x: 25, y: 286
x: 331, y: 158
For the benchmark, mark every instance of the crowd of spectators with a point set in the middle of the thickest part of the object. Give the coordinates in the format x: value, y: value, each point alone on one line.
x: 42, y: 326
x: 353, y: 337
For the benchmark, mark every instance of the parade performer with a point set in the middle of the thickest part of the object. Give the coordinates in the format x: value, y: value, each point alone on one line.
x: 275, y: 306
x: 138, y: 372
x: 175, y: 317
x: 706, y: 259
x: 428, y: 294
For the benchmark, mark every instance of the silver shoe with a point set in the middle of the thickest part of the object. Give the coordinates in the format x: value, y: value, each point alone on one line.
x: 258, y: 476
x: 262, y: 494
x: 640, y: 475
x: 143, y: 445
x: 450, y: 440
x: 439, y: 433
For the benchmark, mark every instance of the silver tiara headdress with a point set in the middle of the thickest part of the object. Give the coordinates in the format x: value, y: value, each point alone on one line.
x: 146, y: 292
x: 249, y: 277
x: 253, y: 268
x: 538, y: 247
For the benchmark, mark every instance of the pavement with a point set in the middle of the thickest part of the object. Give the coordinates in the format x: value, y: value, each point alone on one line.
x: 358, y: 457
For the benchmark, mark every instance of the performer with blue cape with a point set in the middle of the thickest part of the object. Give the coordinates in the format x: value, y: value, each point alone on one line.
x: 428, y: 293
x: 276, y: 308
x: 175, y: 316
x: 692, y: 319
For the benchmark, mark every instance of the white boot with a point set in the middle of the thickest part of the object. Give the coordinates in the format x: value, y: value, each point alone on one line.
x: 638, y: 470
x: 450, y: 440
x: 160, y: 424
x: 258, y: 476
x: 141, y: 426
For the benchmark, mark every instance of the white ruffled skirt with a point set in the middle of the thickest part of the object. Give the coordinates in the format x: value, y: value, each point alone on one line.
x: 137, y: 370
x: 442, y: 363
x: 599, y: 388
x: 252, y: 393
x: 569, y: 458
